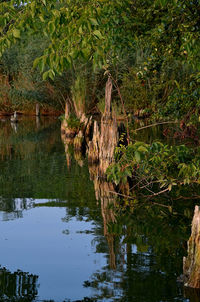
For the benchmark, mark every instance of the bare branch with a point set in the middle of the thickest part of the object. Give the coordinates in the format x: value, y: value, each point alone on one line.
x: 156, y: 124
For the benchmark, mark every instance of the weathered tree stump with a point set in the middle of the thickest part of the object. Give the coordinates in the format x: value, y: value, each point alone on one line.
x: 108, y: 94
x: 107, y: 143
x: 88, y: 127
x: 105, y: 139
x: 37, y: 109
x: 93, y: 146
x: 68, y: 110
x: 78, y: 141
x: 100, y: 150
x: 191, y: 263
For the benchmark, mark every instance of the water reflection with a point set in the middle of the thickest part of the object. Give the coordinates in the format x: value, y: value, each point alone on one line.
x: 12, y: 208
x: 146, y: 243
x: 58, y: 243
x: 192, y: 294
x: 17, y: 286
x: 100, y: 153
x: 70, y: 237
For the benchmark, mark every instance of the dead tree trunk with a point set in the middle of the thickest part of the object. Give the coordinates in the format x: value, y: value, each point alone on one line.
x: 67, y: 109
x: 191, y: 263
x: 37, y: 109
x: 108, y: 92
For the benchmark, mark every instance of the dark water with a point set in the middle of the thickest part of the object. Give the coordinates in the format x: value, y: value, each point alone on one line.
x: 52, y: 243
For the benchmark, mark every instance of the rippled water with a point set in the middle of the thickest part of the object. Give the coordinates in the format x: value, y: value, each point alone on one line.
x: 52, y: 243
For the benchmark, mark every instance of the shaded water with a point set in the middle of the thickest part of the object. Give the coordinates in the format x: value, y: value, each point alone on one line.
x: 54, y: 240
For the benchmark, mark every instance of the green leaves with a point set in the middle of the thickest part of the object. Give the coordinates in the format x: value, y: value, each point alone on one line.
x: 117, y: 175
x: 35, y: 63
x: 16, y: 33
x: 166, y: 166
x: 161, y: 37
x: 94, y: 21
x: 98, y: 34
x: 79, y: 31
x: 51, y: 27
x: 40, y: 62
x: 48, y: 74
x: 137, y: 156
x: 44, y: 2
x: 162, y: 2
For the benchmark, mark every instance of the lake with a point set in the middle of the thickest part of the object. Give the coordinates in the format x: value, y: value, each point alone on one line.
x: 58, y: 241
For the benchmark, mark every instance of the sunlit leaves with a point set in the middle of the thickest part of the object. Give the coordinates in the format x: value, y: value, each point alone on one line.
x: 167, y: 166
x: 16, y: 33
x: 77, y: 30
x: 93, y: 21
x: 95, y: 31
x: 44, y: 2
x: 98, y: 34
x: 49, y: 74
x: 51, y: 27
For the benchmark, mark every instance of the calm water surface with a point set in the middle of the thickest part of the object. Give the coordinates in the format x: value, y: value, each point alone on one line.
x: 52, y: 243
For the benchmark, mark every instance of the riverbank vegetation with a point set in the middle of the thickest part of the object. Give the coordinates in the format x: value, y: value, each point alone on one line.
x: 150, y: 48
x: 113, y: 60
x: 156, y: 168
x: 58, y: 52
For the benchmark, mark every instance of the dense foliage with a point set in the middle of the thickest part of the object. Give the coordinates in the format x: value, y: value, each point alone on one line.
x: 156, y: 168
x: 21, y: 86
x: 150, y: 47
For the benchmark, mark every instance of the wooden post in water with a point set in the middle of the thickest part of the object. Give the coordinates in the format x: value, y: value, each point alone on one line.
x: 191, y: 263
x: 37, y: 109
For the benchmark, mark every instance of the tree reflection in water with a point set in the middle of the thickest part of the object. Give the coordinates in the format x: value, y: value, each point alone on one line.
x: 17, y: 286
x: 143, y: 245
x: 146, y: 242
x: 12, y: 208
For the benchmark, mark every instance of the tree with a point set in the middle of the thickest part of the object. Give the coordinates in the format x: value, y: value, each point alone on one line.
x: 90, y: 30
x: 101, y: 33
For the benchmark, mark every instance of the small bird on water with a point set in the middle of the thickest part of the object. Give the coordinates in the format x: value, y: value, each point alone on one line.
x: 14, y: 118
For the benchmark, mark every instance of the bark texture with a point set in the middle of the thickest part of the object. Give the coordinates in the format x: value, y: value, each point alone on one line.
x: 68, y: 109
x: 100, y: 139
x: 191, y: 263
x: 105, y: 136
x: 101, y: 147
x: 108, y: 95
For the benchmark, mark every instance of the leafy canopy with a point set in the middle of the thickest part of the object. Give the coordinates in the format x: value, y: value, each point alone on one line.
x: 156, y: 164
x: 84, y: 30
x: 99, y: 31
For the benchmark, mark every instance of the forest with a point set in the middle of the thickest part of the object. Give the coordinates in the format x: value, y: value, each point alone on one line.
x: 58, y: 52
x: 112, y: 60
